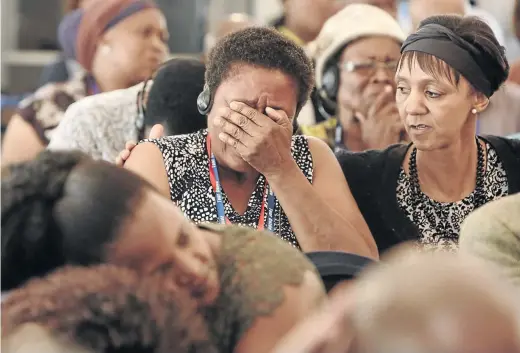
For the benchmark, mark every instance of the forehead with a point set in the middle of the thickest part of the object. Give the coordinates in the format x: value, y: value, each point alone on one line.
x: 247, y: 83
x: 372, y: 47
x: 415, y: 66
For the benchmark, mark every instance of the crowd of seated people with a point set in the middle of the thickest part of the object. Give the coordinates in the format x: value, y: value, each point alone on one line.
x: 321, y: 186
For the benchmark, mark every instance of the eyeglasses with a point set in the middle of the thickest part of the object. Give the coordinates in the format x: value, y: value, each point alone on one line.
x: 368, y: 67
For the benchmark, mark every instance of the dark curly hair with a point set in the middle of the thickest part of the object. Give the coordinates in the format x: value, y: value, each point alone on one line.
x: 61, y: 208
x: 109, y: 309
x: 261, y: 47
x: 492, y: 58
x: 173, y: 97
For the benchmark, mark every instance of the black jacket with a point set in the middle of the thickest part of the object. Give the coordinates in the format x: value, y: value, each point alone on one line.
x: 372, y: 177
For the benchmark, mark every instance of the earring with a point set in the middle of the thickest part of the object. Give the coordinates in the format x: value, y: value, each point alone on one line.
x: 474, y: 111
x: 105, y: 49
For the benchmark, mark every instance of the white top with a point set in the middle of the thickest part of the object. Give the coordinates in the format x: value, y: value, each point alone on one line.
x: 100, y: 125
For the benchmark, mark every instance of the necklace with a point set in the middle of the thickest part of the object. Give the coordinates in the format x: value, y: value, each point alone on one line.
x: 419, y: 198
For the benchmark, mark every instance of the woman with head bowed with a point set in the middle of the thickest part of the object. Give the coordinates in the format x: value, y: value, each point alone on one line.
x: 118, y: 43
x: 423, y: 191
x: 64, y: 208
x: 247, y: 168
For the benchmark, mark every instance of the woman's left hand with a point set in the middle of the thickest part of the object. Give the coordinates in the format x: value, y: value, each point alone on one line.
x: 263, y: 141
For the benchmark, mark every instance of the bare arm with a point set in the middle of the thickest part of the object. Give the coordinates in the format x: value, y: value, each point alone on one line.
x: 146, y: 160
x: 20, y: 143
x: 299, y: 303
x: 324, y: 215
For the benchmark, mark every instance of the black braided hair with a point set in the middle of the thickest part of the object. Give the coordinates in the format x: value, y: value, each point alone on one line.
x: 61, y: 208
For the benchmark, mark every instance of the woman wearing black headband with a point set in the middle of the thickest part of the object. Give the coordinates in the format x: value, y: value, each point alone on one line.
x: 448, y: 70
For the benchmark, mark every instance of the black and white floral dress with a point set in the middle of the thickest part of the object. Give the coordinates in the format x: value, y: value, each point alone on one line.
x: 187, y: 166
x: 440, y: 232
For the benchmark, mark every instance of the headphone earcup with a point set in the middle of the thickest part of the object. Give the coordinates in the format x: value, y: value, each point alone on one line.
x: 330, y: 82
x: 327, y: 94
x: 204, y: 101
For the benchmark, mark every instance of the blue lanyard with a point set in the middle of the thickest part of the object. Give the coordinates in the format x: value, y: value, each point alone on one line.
x: 221, y: 214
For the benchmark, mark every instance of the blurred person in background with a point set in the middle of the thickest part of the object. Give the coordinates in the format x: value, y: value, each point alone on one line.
x: 447, y: 72
x: 101, y: 124
x: 492, y: 235
x: 302, y: 20
x: 230, y: 24
x: 64, y: 208
x: 356, y: 55
x: 247, y: 167
x: 119, y: 43
x: 108, y: 309
x: 503, y: 11
x: 66, y: 65
x: 502, y: 116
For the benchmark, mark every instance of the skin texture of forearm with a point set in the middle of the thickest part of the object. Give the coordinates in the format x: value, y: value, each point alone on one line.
x: 318, y: 227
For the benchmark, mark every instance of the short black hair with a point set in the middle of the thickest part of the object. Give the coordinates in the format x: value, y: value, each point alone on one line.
x: 262, y: 47
x: 173, y: 97
x: 472, y: 29
x: 109, y: 309
x: 61, y: 208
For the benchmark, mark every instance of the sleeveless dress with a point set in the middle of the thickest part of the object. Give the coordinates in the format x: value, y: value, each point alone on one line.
x: 187, y: 165
x: 436, y: 234
x: 254, y: 267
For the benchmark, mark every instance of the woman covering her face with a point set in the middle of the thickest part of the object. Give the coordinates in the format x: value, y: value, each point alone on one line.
x: 247, y: 168
x: 448, y: 71
x: 66, y: 209
x: 118, y: 43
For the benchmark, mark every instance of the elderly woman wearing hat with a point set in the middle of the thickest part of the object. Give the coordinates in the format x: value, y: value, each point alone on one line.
x: 356, y: 54
x: 119, y: 43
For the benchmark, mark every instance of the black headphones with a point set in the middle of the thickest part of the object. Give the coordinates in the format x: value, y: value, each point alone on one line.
x: 327, y: 94
x: 205, y: 101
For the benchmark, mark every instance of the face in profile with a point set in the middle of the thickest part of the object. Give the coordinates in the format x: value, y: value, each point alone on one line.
x: 139, y: 43
x: 257, y: 87
x: 157, y: 237
x: 434, y: 109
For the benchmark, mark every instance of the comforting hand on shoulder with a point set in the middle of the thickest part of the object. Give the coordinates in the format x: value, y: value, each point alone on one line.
x: 156, y: 132
x: 263, y: 141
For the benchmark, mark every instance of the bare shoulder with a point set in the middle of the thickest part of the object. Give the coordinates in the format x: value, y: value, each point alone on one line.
x: 146, y: 160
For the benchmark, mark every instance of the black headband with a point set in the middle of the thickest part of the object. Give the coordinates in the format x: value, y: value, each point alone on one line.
x: 459, y: 54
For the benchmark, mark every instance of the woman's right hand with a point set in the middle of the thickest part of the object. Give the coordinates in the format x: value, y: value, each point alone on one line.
x: 380, y: 124
x: 156, y: 132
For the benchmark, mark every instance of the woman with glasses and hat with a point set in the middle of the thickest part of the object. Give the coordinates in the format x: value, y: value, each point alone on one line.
x: 423, y: 191
x: 356, y: 55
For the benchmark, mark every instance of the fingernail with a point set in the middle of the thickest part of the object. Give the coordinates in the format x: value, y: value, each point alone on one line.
x: 233, y: 105
x: 269, y: 110
x: 222, y: 136
x: 217, y: 121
